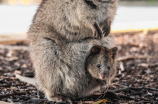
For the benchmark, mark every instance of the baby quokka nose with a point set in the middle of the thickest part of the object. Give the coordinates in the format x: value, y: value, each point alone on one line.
x: 103, y: 75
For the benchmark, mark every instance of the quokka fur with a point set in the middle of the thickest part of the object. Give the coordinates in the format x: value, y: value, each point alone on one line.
x: 61, y: 36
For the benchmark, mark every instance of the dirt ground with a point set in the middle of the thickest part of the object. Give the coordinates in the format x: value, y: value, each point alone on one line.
x: 135, y: 83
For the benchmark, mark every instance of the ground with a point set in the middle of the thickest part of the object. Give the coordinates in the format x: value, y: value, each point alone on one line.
x: 136, y: 81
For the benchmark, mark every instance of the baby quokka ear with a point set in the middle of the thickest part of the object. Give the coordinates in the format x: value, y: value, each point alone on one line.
x: 96, y: 50
x: 114, y: 52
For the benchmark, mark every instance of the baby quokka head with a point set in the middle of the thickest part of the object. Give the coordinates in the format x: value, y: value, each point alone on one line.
x: 101, y: 62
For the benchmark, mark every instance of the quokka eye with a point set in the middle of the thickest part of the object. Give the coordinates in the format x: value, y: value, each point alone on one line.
x: 98, y: 65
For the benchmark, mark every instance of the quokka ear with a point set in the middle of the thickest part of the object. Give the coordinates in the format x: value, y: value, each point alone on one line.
x: 96, y: 49
x: 114, y: 52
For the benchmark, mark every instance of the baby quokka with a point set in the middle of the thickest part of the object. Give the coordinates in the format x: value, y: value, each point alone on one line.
x: 101, y: 64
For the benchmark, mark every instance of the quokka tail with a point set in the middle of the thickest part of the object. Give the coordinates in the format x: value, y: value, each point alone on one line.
x: 26, y: 79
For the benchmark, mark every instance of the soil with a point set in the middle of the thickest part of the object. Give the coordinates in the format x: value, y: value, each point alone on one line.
x: 136, y: 81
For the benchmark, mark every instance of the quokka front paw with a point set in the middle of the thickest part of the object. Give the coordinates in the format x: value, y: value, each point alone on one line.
x: 106, y: 31
x: 106, y: 27
x: 98, y: 31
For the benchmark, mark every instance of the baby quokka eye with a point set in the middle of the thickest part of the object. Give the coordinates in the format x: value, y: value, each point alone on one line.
x: 108, y: 68
x: 98, y: 65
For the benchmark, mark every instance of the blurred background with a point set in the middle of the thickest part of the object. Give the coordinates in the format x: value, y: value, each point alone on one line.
x: 135, y: 29
x: 16, y: 15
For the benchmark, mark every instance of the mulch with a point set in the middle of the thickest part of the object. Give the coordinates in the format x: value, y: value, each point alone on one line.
x: 136, y: 81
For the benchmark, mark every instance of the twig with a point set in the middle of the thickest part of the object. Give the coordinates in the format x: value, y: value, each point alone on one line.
x: 6, y: 95
x: 13, y: 47
x: 2, y: 102
x: 108, y: 94
x: 121, y: 67
x: 135, y: 88
x: 5, y: 85
x: 125, y: 97
x: 124, y: 58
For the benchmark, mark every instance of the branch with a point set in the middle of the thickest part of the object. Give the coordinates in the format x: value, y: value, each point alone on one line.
x: 124, y: 58
x: 9, y: 47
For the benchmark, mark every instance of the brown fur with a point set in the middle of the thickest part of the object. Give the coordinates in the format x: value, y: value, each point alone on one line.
x: 60, y: 40
x: 101, y: 64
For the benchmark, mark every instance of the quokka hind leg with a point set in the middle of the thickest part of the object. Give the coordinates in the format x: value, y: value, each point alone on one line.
x: 52, y: 97
x: 57, y: 98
